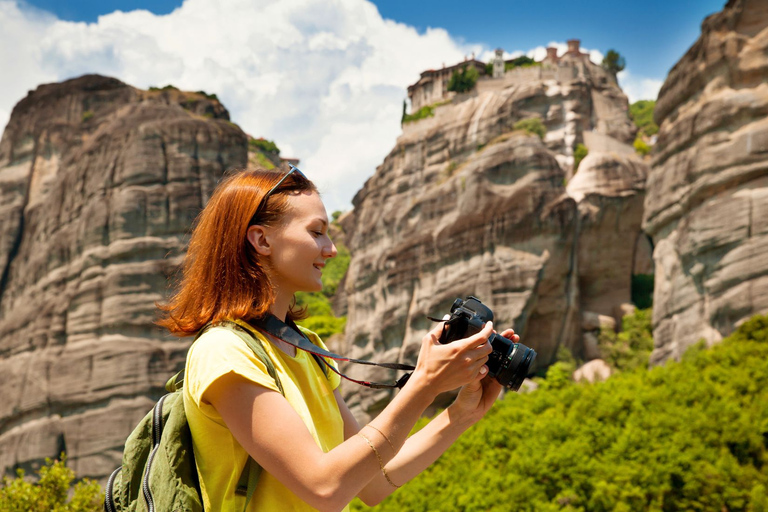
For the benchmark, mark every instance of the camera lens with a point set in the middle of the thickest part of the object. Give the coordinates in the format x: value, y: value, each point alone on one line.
x: 512, y: 362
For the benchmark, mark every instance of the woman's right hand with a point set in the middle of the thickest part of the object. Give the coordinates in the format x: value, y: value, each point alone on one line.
x: 446, y: 367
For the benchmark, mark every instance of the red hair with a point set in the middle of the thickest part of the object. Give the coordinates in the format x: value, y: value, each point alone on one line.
x: 221, y: 275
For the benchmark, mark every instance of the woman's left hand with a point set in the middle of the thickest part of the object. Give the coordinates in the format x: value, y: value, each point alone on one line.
x: 476, y: 398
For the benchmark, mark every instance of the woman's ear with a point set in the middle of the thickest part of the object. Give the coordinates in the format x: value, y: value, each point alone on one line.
x: 257, y: 237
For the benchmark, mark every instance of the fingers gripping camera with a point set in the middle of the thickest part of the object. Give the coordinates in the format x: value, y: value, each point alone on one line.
x: 509, y: 363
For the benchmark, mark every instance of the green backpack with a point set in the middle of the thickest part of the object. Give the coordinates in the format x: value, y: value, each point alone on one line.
x: 158, y: 473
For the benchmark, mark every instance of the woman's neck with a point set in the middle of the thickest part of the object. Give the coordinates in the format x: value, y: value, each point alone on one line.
x: 279, y: 308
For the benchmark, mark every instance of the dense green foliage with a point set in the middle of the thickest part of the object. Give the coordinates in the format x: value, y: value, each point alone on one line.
x: 631, y: 348
x: 578, y: 155
x: 613, y: 62
x: 265, y: 145
x: 690, y: 435
x: 321, y: 318
x: 641, y: 112
x: 168, y: 87
x: 463, y: 80
x: 209, y: 96
x: 50, y: 493
x: 532, y: 125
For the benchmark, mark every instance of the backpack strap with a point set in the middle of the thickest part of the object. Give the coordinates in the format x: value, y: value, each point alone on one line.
x: 246, y: 485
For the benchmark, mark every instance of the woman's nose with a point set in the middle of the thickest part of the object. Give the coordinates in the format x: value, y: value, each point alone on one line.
x: 330, y: 250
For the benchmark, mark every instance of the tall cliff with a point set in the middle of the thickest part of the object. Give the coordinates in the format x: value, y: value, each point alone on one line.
x: 99, y: 184
x: 707, y: 198
x: 466, y: 204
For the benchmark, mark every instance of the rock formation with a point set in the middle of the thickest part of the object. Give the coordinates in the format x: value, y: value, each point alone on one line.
x: 465, y: 204
x: 99, y: 184
x: 707, y: 199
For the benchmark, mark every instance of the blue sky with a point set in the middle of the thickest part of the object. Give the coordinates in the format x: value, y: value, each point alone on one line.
x: 324, y: 79
x: 651, y: 35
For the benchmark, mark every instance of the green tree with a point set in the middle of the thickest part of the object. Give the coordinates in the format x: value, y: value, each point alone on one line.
x: 613, y: 62
x: 463, y: 80
x: 50, y: 492
x: 641, y: 113
x: 688, y: 435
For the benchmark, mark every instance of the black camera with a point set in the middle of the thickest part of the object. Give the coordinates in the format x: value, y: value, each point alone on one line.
x: 509, y: 362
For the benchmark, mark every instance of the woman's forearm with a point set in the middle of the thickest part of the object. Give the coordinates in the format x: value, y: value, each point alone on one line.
x: 419, y: 452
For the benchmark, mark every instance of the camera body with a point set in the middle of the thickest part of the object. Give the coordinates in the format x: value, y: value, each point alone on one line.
x: 509, y: 362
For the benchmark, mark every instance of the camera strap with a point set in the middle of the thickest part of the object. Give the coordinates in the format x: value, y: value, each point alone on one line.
x: 291, y: 334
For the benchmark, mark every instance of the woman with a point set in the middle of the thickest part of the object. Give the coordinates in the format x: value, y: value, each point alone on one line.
x: 263, y: 237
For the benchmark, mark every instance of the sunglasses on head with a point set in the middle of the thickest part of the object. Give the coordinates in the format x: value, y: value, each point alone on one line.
x: 263, y: 202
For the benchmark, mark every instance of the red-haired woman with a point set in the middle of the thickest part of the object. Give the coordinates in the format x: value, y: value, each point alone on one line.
x: 263, y: 237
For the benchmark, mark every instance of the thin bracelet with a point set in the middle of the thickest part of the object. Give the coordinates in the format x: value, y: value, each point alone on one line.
x: 384, y: 436
x: 381, y: 463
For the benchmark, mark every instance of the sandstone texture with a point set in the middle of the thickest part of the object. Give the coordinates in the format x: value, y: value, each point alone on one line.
x: 466, y: 205
x: 707, y: 194
x: 99, y: 185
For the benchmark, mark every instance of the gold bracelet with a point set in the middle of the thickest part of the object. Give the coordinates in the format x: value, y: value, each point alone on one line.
x: 381, y: 462
x: 384, y: 436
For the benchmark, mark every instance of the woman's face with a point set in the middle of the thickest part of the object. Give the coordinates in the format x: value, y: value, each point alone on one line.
x: 299, y: 246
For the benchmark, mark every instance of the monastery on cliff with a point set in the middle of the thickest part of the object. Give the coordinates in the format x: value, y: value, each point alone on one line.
x: 432, y: 86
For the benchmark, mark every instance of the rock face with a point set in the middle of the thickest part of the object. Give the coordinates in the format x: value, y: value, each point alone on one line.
x: 466, y: 205
x: 99, y: 184
x: 707, y: 199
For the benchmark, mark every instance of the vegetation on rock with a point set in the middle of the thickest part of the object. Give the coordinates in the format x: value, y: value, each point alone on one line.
x: 578, y: 155
x: 532, y: 125
x: 51, y: 491
x: 690, y: 435
x: 262, y: 144
x: 641, y: 147
x: 522, y: 62
x: 631, y: 348
x: 613, y: 62
x: 423, y: 113
x: 464, y: 80
x: 641, y: 112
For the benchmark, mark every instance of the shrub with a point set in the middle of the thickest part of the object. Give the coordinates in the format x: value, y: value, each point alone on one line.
x: 690, y: 435
x: 464, y: 80
x: 631, y: 348
x: 168, y: 87
x: 578, y: 155
x: 50, y: 492
x: 532, y: 125
x: 423, y: 113
x: 209, y: 96
x: 641, y: 148
x: 262, y: 144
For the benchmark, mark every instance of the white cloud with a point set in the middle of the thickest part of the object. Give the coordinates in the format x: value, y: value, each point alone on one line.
x: 325, y: 79
x: 638, y: 87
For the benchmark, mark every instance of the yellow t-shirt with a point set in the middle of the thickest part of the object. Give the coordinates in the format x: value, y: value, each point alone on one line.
x: 220, y: 458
